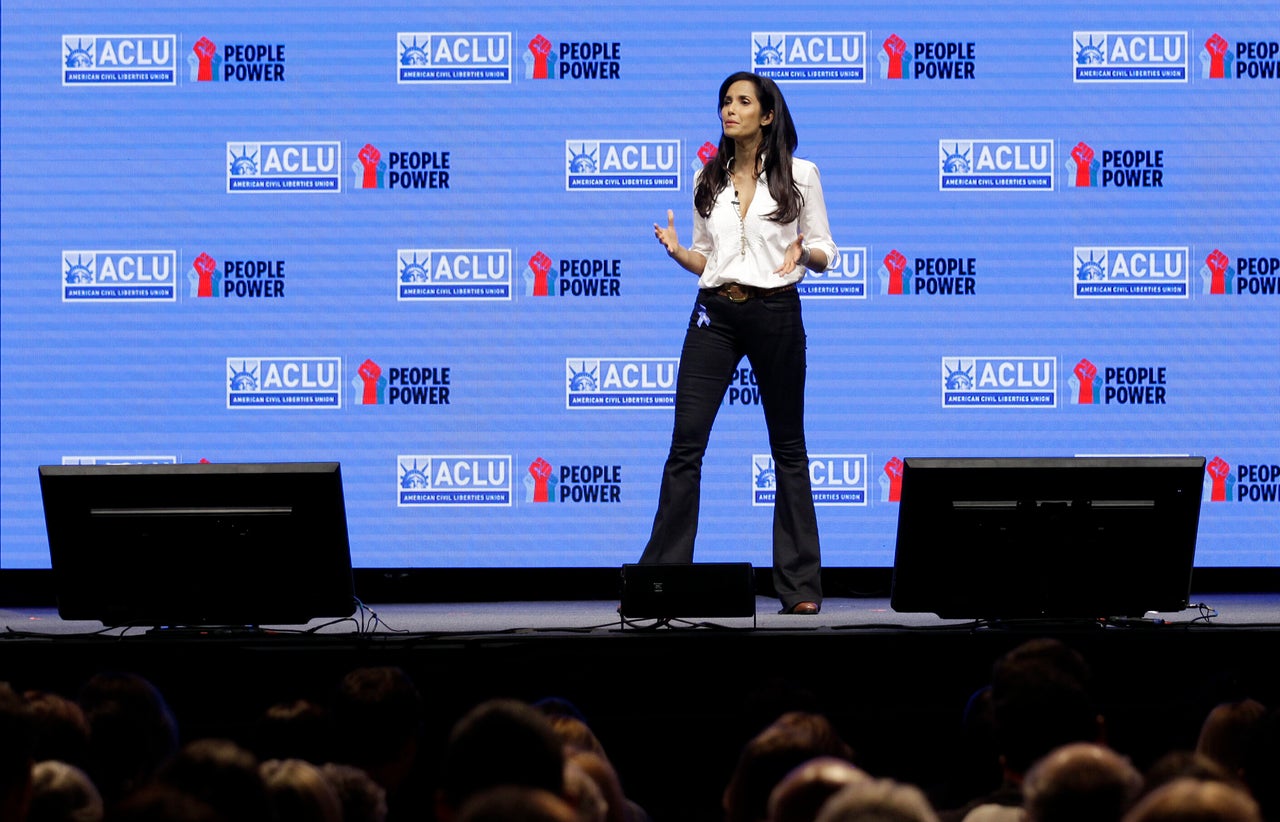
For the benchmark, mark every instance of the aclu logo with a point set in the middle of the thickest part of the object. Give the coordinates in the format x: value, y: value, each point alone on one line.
x: 614, y: 165
x: 284, y: 382
x: 574, y: 276
x: 1117, y: 168
x: 121, y: 460
x: 1255, y: 59
x: 313, y: 167
x: 835, y: 479
x: 592, y: 484
x: 932, y: 60
x: 1129, y: 385
x: 844, y: 279
x: 1246, y: 482
x: 416, y: 385
x: 119, y: 276
x: 235, y: 62
x: 426, y: 57
x: 119, y: 59
x: 951, y: 276
x: 1003, y: 382
x: 572, y: 59
x: 403, y: 170
x: 620, y: 382
x: 812, y: 56
x: 1129, y: 56
x: 436, y: 274
x: 261, y: 279
x: 995, y: 165
x: 1132, y: 272
x: 453, y: 480
x: 1257, y: 275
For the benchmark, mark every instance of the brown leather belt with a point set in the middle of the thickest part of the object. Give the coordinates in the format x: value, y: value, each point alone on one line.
x: 739, y: 293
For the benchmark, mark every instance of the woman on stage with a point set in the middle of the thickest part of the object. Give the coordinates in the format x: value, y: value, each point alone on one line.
x: 759, y: 223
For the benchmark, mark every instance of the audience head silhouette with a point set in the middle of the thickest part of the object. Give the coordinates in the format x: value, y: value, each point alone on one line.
x: 791, y: 740
x: 802, y: 792
x: 223, y: 775
x: 499, y: 742
x: 132, y: 732
x: 516, y: 803
x: 377, y: 719
x: 877, y: 800
x: 1226, y: 735
x: 61, y: 792
x: 299, y: 792
x: 1041, y: 698
x: 1078, y: 781
x: 1193, y: 800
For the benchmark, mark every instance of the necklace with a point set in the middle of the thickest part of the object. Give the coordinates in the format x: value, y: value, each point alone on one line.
x: 737, y: 210
x: 742, y: 223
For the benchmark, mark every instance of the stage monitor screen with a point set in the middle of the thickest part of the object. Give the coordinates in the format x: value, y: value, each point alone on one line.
x: 198, y: 544
x: 1014, y: 538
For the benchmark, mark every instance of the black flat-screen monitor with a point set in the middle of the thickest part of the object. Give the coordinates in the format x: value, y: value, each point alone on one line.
x: 240, y: 544
x: 1025, y: 538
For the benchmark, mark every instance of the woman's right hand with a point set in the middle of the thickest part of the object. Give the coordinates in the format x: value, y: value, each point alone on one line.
x: 667, y: 236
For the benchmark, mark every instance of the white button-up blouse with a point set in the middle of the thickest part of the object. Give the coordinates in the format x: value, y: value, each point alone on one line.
x: 723, y: 238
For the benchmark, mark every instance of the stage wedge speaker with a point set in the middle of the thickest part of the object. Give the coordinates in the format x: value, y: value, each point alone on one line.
x: 707, y: 589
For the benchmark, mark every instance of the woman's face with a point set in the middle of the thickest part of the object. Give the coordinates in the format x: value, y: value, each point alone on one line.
x: 740, y: 112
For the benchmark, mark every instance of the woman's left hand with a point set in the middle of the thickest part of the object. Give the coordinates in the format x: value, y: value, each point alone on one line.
x: 792, y: 257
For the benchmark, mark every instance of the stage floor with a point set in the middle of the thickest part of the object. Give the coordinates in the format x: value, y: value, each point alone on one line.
x: 1234, y: 610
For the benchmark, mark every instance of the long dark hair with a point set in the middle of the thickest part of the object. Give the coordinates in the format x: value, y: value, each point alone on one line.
x: 778, y: 142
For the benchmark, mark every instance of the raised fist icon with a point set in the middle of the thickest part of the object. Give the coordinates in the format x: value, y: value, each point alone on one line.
x: 204, y: 266
x: 1219, y: 469
x: 540, y: 265
x: 707, y: 152
x: 1217, y: 47
x: 540, y: 474
x: 1084, y: 372
x: 1085, y: 164
x: 205, y: 49
x: 370, y: 374
x: 1217, y: 262
x: 369, y: 157
x: 540, y: 48
x: 540, y: 468
x: 895, y: 47
x: 893, y: 470
x: 369, y: 371
x: 896, y: 262
x: 1083, y: 154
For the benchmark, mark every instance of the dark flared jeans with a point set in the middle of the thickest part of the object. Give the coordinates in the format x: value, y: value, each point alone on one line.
x: 769, y: 332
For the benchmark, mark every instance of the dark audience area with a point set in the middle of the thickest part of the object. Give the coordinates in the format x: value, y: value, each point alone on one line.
x: 777, y: 728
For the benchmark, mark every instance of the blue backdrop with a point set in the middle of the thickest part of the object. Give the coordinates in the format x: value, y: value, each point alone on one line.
x: 416, y: 239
